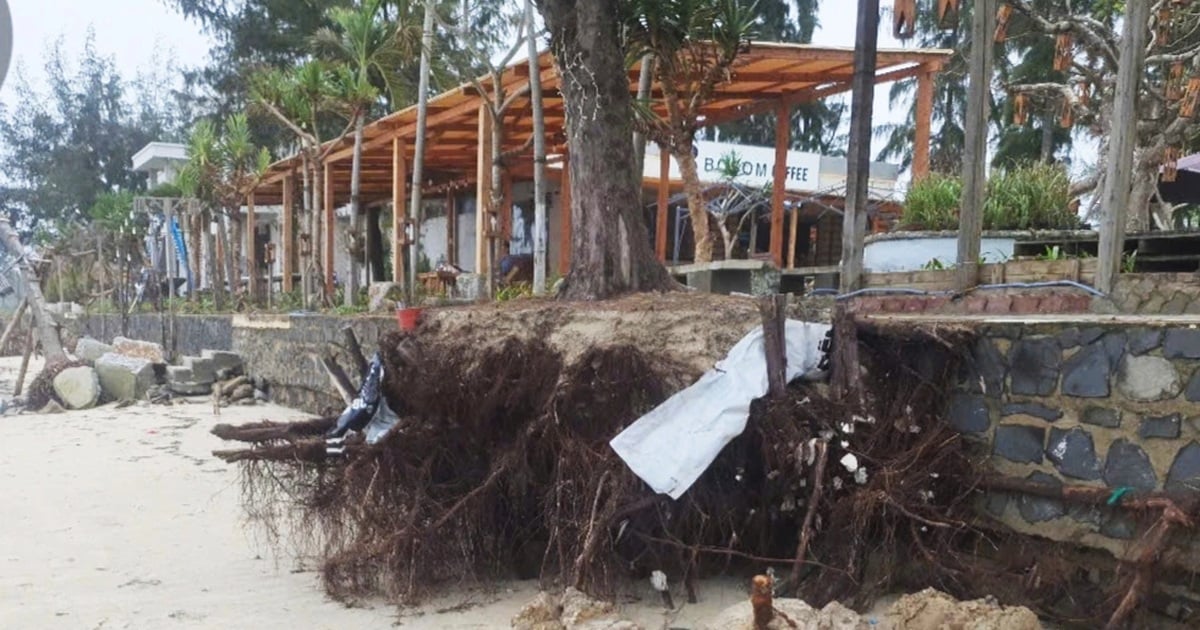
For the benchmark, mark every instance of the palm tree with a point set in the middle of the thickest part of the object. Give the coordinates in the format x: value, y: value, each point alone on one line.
x: 369, y: 53
x: 300, y: 99
x: 223, y: 163
x: 694, y: 43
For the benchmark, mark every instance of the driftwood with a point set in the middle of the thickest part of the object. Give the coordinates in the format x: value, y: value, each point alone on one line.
x: 356, y: 354
x: 29, y: 344
x: 337, y: 376
x: 12, y: 323
x: 47, y: 329
x: 312, y: 451
x: 773, y: 309
x: 267, y: 431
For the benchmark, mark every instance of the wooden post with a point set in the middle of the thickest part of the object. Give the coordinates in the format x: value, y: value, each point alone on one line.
x: 249, y: 256
x: 663, y: 218
x: 783, y: 129
x: 330, y: 228
x: 970, y: 227
x: 287, y: 239
x: 773, y: 309
x: 920, y: 167
x: 451, y: 228
x: 564, y: 200
x: 483, y: 193
x: 399, y: 209
x: 1117, y: 182
x: 858, y: 169
x: 794, y: 236
x: 45, y: 326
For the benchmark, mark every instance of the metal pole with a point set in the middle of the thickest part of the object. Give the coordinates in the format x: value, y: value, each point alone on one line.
x: 970, y: 227
x: 1117, y: 181
x: 858, y: 171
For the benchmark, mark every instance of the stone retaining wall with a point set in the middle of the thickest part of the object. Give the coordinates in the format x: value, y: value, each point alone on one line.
x: 1157, y: 293
x: 192, y: 333
x: 1103, y: 406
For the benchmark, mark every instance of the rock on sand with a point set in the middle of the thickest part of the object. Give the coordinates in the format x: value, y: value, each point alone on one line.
x: 78, y: 387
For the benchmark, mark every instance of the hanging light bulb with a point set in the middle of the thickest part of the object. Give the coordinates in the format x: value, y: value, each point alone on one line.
x: 1170, y: 165
x: 1003, y: 14
x: 1020, y: 109
x: 1064, y: 46
x: 904, y: 12
x: 948, y: 13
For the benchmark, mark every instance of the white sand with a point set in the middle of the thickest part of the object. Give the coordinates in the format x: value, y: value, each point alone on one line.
x: 121, y: 518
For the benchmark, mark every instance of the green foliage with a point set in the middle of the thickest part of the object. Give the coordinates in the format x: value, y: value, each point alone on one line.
x: 934, y: 264
x: 514, y: 292
x: 932, y: 203
x: 63, y: 147
x: 223, y: 163
x: 1129, y: 262
x: 1053, y: 253
x: 169, y: 189
x: 1028, y: 197
x: 113, y: 212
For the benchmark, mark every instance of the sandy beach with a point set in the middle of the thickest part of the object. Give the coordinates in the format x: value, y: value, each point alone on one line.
x: 121, y: 518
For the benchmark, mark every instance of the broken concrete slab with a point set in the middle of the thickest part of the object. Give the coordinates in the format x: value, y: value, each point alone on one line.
x: 124, y: 377
x: 203, y: 370
x: 88, y: 349
x: 222, y: 361
x: 182, y: 380
x: 147, y: 350
x: 77, y: 387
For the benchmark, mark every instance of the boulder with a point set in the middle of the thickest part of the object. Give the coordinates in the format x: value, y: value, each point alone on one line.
x: 136, y: 349
x: 123, y: 377
x: 791, y: 613
x: 78, y: 387
x: 383, y: 296
x: 88, y: 349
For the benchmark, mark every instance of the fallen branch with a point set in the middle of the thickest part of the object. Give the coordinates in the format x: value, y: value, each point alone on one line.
x: 311, y: 451
x: 267, y: 431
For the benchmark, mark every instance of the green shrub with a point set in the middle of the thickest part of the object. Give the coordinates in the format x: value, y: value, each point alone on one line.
x: 1029, y: 197
x: 932, y: 203
x: 1026, y: 197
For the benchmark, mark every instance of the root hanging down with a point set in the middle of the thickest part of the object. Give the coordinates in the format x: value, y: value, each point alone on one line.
x: 500, y: 467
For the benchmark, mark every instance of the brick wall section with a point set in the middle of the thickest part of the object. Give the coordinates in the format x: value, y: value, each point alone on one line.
x: 1047, y: 302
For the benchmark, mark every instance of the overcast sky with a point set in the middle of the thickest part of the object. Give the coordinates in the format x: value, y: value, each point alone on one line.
x: 137, y: 33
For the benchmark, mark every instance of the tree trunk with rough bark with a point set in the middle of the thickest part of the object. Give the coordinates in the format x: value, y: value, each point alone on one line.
x: 232, y: 250
x: 696, y: 206
x: 604, y: 187
x: 43, y: 323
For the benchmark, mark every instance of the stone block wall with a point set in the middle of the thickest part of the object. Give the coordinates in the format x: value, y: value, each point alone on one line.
x: 981, y: 302
x: 192, y: 333
x: 1157, y: 293
x: 281, y: 349
x: 1110, y: 406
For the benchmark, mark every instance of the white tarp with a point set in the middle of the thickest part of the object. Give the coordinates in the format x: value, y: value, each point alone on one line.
x: 670, y: 447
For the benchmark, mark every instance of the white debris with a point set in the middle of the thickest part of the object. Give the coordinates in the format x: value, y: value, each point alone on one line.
x: 658, y: 580
x: 860, y: 476
x: 850, y: 462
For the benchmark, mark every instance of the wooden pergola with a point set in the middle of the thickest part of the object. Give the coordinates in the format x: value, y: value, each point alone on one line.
x: 769, y: 77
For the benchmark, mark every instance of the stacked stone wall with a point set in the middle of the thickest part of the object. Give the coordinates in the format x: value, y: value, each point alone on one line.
x: 1108, y: 406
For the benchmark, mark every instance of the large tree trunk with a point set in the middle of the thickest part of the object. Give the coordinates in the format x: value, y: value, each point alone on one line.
x: 604, y: 186
x: 539, y: 156
x: 43, y: 323
x: 231, y: 251
x: 196, y: 227
x: 696, y: 210
x: 356, y: 222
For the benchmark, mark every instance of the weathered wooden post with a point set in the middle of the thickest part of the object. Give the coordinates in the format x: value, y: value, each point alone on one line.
x: 970, y: 227
x: 858, y: 170
x: 1117, y: 182
x: 47, y: 329
x: 773, y: 309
